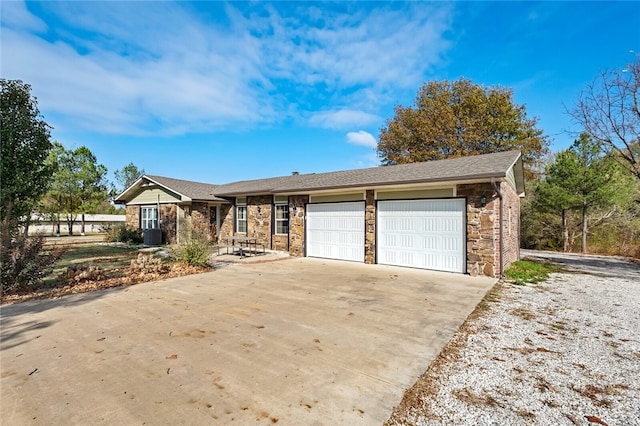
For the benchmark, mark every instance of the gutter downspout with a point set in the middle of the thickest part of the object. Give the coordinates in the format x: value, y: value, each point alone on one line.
x: 497, y: 188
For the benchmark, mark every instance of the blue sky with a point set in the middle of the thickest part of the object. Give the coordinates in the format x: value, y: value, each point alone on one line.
x: 218, y: 92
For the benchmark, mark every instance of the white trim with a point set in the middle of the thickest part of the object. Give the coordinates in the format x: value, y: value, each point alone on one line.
x: 276, y: 220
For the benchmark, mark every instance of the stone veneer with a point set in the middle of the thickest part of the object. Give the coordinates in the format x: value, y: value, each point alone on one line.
x: 370, y: 227
x: 168, y: 217
x: 200, y: 219
x: 259, y: 218
x: 296, y: 224
x: 132, y: 217
x: 167, y: 220
x: 226, y: 220
x: 483, y: 228
x: 483, y: 225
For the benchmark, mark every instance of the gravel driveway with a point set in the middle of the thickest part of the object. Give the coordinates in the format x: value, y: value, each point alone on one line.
x: 562, y: 352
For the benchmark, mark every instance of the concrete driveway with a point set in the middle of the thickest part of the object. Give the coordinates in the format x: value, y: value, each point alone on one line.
x: 299, y: 341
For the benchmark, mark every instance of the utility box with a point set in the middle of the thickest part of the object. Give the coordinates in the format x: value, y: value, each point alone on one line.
x: 152, y: 237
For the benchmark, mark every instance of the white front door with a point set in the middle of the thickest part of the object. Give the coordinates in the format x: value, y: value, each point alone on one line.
x: 427, y: 234
x: 336, y: 231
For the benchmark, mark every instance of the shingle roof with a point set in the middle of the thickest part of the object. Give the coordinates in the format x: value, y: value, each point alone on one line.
x: 495, y: 165
x: 194, y: 190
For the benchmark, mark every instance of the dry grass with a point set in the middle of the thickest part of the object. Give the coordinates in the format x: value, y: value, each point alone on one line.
x: 113, y: 261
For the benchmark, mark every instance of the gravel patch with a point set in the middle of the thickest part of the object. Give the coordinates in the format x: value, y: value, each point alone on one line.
x: 562, y: 352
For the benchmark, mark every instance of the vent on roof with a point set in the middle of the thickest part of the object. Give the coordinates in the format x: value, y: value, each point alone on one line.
x: 295, y: 173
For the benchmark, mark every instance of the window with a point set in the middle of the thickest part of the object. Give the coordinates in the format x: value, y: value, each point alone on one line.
x: 282, y: 219
x: 241, y: 219
x: 149, y: 217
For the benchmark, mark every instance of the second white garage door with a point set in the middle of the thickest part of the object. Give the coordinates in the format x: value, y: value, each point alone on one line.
x: 336, y: 231
x: 428, y: 234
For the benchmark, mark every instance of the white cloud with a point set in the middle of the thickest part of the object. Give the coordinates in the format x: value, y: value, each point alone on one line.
x: 362, y: 138
x: 164, y: 68
x: 342, y: 119
x: 14, y: 14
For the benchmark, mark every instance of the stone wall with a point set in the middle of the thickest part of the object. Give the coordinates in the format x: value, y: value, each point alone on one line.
x: 296, y: 224
x: 226, y: 220
x: 482, y: 229
x: 370, y: 228
x: 259, y: 219
x: 259, y: 222
x: 280, y: 242
x: 200, y: 220
x: 168, y: 219
x: 133, y: 216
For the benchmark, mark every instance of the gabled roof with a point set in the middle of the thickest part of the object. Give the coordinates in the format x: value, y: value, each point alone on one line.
x: 505, y: 165
x: 187, y: 190
x: 497, y: 165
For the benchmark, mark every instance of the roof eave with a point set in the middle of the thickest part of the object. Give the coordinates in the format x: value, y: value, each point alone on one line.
x: 457, y: 179
x: 121, y: 199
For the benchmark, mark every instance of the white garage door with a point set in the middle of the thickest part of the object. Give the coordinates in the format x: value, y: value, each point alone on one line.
x: 336, y: 231
x: 428, y: 234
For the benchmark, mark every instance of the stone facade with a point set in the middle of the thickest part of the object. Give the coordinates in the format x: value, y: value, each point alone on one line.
x: 483, y: 233
x: 259, y: 218
x: 132, y: 216
x: 297, y: 205
x: 370, y: 228
x: 226, y: 220
x: 200, y: 220
x: 483, y: 228
x: 167, y: 218
x: 168, y: 222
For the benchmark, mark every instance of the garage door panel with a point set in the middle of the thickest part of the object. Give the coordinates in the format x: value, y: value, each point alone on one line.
x: 336, y: 231
x: 426, y: 234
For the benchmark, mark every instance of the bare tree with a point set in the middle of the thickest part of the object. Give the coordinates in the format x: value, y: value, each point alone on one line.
x: 609, y: 111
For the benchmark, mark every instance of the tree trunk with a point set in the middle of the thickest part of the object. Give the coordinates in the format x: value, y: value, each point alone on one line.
x: 71, y: 220
x: 565, y: 232
x: 82, y: 226
x: 584, y: 227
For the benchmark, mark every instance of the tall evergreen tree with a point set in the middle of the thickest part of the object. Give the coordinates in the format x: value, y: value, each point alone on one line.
x: 580, y: 179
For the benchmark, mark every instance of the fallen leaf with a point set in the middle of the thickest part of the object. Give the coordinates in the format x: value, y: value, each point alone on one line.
x: 594, y: 419
x: 573, y: 419
x: 174, y: 356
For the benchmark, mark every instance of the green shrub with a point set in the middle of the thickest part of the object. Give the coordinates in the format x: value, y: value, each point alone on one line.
x: 527, y: 271
x: 195, y: 247
x: 193, y: 253
x: 124, y: 234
